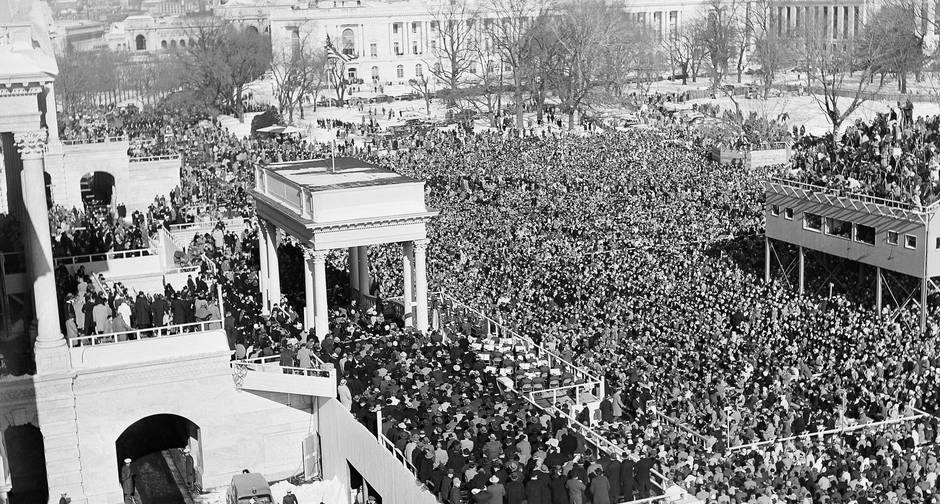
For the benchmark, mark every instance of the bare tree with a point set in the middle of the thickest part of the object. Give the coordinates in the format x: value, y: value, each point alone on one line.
x: 424, y: 87
x: 835, y: 71
x: 542, y: 64
x: 591, y: 36
x: 298, y: 70
x: 484, y: 94
x: 720, y: 37
x: 773, y: 49
x: 510, y: 35
x: 453, y: 33
x: 685, y: 49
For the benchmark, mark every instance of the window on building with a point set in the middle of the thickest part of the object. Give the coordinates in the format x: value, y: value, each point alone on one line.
x: 437, y: 68
x: 349, y: 42
x: 838, y: 228
x: 812, y: 222
x: 414, y: 47
x: 435, y: 28
x: 375, y: 74
x: 397, y: 49
x: 864, y: 234
x: 182, y: 43
x: 775, y: 210
x: 414, y: 27
x: 910, y: 241
x: 141, y: 42
x: 433, y: 45
x: 352, y: 74
x: 419, y: 72
x: 373, y: 49
x: 788, y: 213
x: 395, y: 28
x: 163, y: 44
x: 891, y: 237
x: 400, y: 71
x: 473, y: 67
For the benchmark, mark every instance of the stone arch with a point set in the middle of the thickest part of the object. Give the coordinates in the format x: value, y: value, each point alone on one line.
x: 252, y: 28
x: 98, y: 188
x: 163, y: 44
x: 145, y: 440
x: 140, y: 42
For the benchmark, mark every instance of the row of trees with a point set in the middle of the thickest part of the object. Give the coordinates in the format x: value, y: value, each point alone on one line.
x: 214, y: 70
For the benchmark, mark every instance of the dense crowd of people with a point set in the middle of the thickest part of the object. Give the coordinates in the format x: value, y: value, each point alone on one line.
x: 891, y: 157
x: 628, y: 254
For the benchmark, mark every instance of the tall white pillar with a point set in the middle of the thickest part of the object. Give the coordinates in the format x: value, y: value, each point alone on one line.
x: 309, y: 303
x: 321, y: 323
x: 52, y: 115
x: 363, y: 273
x: 31, y: 146
x: 274, y: 270
x: 263, y: 267
x: 421, y: 285
x: 408, y: 275
x: 353, y: 260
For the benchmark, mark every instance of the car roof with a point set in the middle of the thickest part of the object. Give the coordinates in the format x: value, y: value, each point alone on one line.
x: 250, y: 484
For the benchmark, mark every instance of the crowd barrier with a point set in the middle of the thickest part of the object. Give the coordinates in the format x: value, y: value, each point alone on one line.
x: 96, y: 140
x: 102, y: 256
x: 205, y: 226
x: 144, y: 159
x: 828, y: 432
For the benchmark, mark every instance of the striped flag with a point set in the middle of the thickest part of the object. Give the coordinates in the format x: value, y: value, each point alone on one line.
x: 333, y: 53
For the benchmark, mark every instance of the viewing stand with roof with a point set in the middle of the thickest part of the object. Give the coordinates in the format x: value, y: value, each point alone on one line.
x: 342, y: 203
x: 889, y: 235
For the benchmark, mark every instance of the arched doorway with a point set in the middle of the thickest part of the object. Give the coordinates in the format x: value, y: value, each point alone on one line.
x: 153, y: 443
x: 97, y: 189
x: 141, y: 43
x: 25, y: 453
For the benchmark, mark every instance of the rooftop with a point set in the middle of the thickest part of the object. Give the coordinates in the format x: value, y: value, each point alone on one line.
x: 318, y: 175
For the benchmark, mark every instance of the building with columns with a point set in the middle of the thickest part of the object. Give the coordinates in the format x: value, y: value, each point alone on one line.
x: 342, y: 204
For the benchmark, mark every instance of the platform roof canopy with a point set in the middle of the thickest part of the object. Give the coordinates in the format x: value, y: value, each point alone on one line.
x: 341, y: 202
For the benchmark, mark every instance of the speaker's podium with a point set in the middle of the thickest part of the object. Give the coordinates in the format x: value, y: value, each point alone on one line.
x: 891, y: 236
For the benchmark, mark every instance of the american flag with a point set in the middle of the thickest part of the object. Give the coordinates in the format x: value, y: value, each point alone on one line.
x: 333, y: 53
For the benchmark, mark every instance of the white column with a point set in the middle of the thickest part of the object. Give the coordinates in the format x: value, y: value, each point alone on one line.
x: 31, y: 146
x: 421, y: 285
x: 408, y: 275
x: 364, y: 277
x: 353, y: 260
x: 52, y: 115
x: 309, y: 311
x: 263, y: 267
x: 321, y: 323
x: 274, y: 271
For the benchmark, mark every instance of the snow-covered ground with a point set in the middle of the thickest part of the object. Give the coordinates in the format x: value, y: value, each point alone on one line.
x: 317, y: 492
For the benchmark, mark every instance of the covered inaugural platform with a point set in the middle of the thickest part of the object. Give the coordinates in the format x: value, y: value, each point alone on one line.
x: 342, y: 203
x: 891, y: 236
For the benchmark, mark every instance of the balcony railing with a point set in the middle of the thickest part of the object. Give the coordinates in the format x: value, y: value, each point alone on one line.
x: 272, y: 364
x: 95, y: 140
x: 141, y: 334
x: 143, y: 159
x: 841, y: 193
x: 103, y: 256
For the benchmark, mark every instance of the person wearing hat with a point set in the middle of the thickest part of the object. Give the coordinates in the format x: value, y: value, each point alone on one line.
x: 189, y: 469
x: 496, y: 489
x: 128, y: 485
x: 289, y: 498
x: 576, y: 488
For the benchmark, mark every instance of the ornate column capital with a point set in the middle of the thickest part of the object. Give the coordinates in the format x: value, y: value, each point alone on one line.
x: 31, y: 144
x: 421, y: 245
x: 317, y: 256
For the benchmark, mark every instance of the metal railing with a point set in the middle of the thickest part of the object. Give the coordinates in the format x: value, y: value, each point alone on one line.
x: 206, y: 225
x: 143, y: 159
x: 398, y: 454
x: 95, y: 140
x: 148, y: 333
x: 603, y: 444
x: 272, y: 364
x: 103, y: 256
x: 838, y: 430
x: 841, y: 193
x: 498, y: 330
